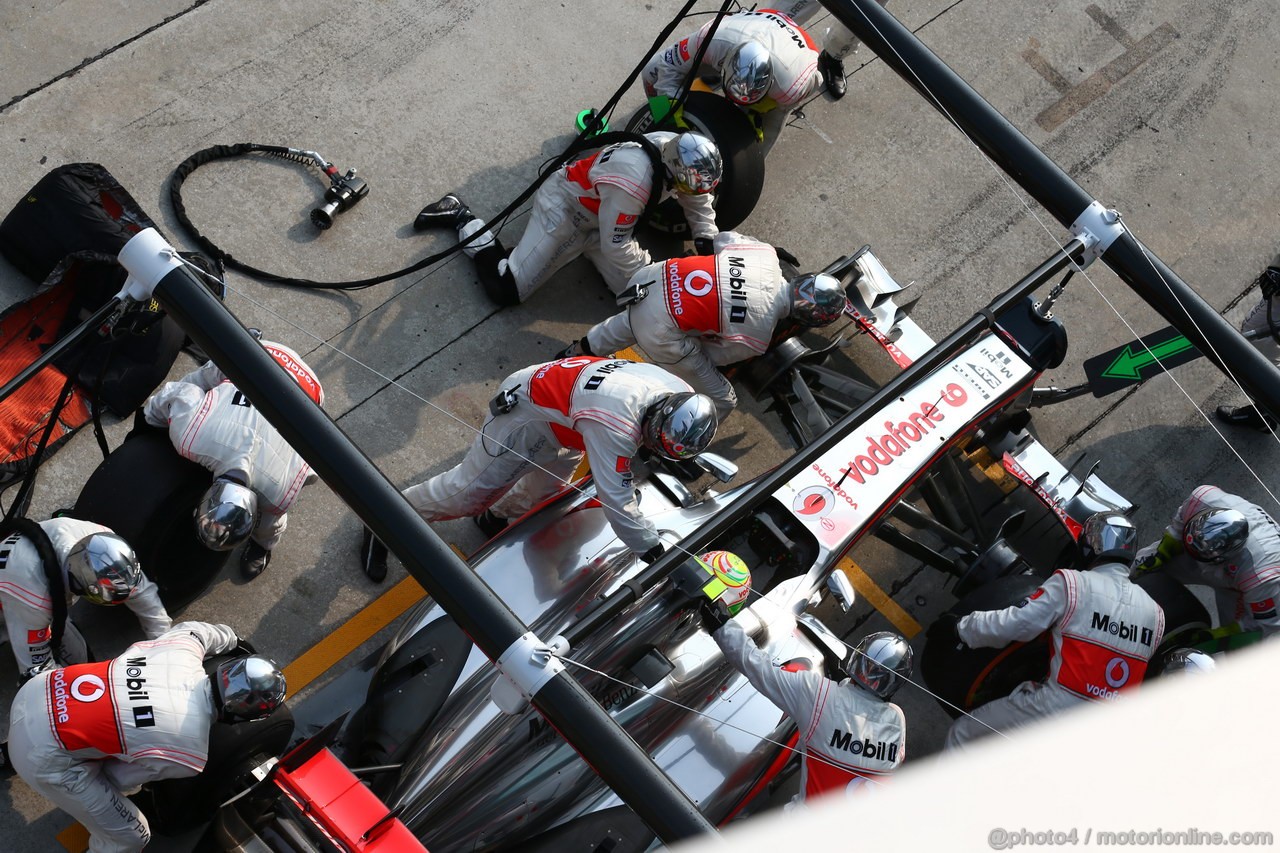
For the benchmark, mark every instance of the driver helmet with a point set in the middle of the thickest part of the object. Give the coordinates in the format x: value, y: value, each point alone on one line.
x: 1211, y: 535
x: 733, y: 574
x: 1109, y: 535
x: 247, y: 688
x: 817, y: 299
x: 226, y: 514
x: 103, y: 569
x: 879, y: 663
x: 746, y: 73
x: 679, y: 426
x: 693, y: 163
x: 1188, y: 660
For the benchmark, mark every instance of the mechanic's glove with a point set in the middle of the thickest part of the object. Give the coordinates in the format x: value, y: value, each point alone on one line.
x: 652, y: 554
x: 703, y: 246
x: 660, y: 109
x: 945, y: 630
x: 1168, y: 548
x: 244, y: 647
x: 715, y: 615
x: 1269, y: 282
x: 784, y: 255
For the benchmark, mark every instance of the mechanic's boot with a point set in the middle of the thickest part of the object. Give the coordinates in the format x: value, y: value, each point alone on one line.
x: 577, y: 348
x: 832, y: 70
x: 254, y: 560
x: 6, y: 766
x: 1246, y: 416
x: 490, y: 525
x: 448, y: 212
x: 373, y: 557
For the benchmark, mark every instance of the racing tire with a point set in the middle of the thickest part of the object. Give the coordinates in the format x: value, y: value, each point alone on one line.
x: 1183, y: 612
x: 176, y: 806
x: 965, y: 678
x: 742, y: 181
x: 146, y: 493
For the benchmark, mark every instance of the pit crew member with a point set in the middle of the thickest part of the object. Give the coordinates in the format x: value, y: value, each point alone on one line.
x: 764, y: 61
x: 713, y: 310
x: 850, y: 733
x: 541, y: 422
x: 257, y: 475
x: 1265, y: 316
x: 45, y: 566
x: 1103, y: 631
x: 591, y: 206
x: 90, y: 735
x: 1225, y: 542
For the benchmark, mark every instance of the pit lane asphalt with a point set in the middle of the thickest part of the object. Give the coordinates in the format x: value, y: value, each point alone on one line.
x: 1164, y: 110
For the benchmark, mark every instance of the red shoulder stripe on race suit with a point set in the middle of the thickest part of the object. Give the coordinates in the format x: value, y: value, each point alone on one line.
x: 1259, y: 577
x: 1073, y: 593
x: 551, y: 387
x: 1199, y: 498
x: 804, y: 34
x: 82, y: 709
x: 637, y: 191
x: 26, y: 596
x: 799, y: 86
x: 184, y: 448
x: 618, y: 424
x: 306, y: 380
x: 692, y: 292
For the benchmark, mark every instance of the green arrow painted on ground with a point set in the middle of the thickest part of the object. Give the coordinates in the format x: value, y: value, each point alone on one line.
x: 1130, y: 362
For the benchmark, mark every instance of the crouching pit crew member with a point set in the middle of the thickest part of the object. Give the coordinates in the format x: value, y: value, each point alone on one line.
x: 1225, y: 542
x: 541, y: 422
x: 1103, y: 630
x: 850, y: 733
x: 89, y: 736
x: 713, y: 310
x: 46, y: 566
x: 591, y: 206
x: 257, y: 475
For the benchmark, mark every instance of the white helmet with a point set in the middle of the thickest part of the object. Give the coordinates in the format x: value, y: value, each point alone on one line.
x: 247, y: 688
x: 747, y: 73
x: 103, y: 569
x: 680, y: 425
x: 1110, y: 535
x: 1212, y: 534
x: 817, y: 299
x: 880, y: 663
x: 226, y: 515
x: 693, y: 162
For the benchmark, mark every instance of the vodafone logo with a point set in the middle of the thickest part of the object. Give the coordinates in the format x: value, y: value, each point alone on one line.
x: 704, y: 283
x: 88, y: 688
x: 813, y: 501
x: 1117, y: 673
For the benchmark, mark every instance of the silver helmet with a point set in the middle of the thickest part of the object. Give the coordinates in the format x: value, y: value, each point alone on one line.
x: 103, y: 569
x: 817, y: 299
x: 1212, y: 534
x: 693, y: 163
x: 1110, y: 535
x: 680, y: 425
x: 1188, y: 660
x: 747, y: 73
x: 247, y: 688
x: 880, y: 662
x: 226, y: 515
